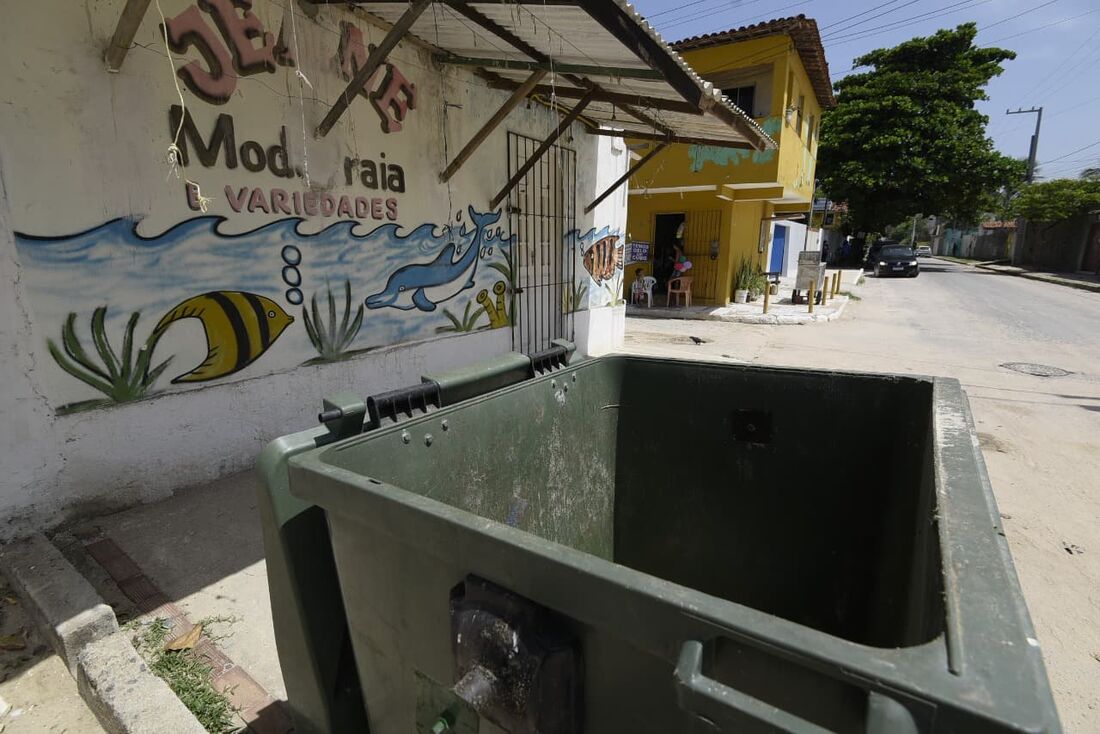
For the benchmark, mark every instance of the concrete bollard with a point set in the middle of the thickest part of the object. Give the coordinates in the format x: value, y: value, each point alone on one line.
x: 826, y: 285
x: 810, y: 293
x: 836, y: 283
x: 767, y: 296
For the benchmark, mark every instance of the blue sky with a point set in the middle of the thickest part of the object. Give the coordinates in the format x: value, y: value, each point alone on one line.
x: 1057, y: 65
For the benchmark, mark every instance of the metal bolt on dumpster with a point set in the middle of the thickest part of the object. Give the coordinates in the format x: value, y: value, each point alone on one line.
x: 667, y: 547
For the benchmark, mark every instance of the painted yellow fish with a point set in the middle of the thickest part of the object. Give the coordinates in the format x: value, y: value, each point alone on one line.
x: 239, y: 328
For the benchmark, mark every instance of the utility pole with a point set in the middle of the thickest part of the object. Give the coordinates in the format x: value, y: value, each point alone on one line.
x: 1034, y: 138
x: 1021, y: 223
x: 913, y: 233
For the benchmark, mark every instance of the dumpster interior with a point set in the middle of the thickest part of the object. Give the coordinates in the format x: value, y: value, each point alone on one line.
x: 805, y: 495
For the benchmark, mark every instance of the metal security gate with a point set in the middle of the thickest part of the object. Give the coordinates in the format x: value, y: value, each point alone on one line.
x: 542, y: 215
x: 702, y: 231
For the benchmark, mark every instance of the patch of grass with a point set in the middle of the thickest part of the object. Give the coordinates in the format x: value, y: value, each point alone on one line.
x: 332, y: 342
x: 187, y: 674
x: 121, y: 378
x: 851, y: 295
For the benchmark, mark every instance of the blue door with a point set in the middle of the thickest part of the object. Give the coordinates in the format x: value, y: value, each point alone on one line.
x: 779, y: 247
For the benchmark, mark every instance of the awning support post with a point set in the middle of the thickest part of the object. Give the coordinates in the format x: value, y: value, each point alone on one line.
x: 128, y: 23
x: 374, y: 60
x: 518, y: 95
x: 626, y: 176
x: 541, y: 150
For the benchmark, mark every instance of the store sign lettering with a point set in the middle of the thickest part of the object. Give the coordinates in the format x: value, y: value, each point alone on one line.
x: 232, y: 51
x: 220, y: 147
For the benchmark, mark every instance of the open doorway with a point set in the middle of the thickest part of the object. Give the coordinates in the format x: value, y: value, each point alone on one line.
x: 665, y: 231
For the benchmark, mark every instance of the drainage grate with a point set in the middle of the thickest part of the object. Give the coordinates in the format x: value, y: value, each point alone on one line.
x: 1038, y: 370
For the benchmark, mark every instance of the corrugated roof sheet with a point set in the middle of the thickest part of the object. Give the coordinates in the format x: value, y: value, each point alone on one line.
x: 589, y: 34
x: 803, y: 33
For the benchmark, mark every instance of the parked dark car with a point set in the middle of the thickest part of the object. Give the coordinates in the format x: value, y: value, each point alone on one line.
x: 896, y: 260
x: 871, y: 258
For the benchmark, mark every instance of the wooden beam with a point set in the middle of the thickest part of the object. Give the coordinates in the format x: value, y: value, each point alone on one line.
x: 518, y: 95
x: 375, y: 59
x: 125, y: 30
x: 624, y: 72
x: 617, y: 98
x: 616, y: 22
x: 645, y: 119
x: 674, y: 138
x: 626, y: 176
x: 545, y: 146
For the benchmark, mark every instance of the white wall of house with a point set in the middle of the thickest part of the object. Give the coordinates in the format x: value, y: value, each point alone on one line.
x: 91, y: 215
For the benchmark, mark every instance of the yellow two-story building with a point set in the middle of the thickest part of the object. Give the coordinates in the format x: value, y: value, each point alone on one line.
x: 723, y: 204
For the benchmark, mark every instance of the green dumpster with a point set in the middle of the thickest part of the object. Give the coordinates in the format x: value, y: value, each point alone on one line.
x: 645, y: 545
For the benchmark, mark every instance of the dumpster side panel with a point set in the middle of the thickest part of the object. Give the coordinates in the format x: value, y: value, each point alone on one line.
x: 307, y: 612
x: 541, y: 458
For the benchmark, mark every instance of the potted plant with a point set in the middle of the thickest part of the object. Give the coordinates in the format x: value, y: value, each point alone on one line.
x: 757, y: 284
x: 742, y: 281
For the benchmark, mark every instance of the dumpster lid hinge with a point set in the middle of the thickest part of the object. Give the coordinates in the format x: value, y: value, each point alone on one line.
x: 554, y: 357
x: 407, y: 402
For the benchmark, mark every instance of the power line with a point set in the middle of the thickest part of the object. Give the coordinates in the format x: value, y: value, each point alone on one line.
x: 1067, y: 155
x: 852, y: 17
x: 687, y: 5
x: 735, y: 24
x: 868, y: 20
x: 1062, y: 63
x: 911, y: 20
x: 1088, y: 58
x: 1048, y: 25
x: 1018, y: 15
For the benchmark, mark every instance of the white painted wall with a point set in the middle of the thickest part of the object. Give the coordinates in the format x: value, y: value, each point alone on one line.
x: 83, y: 147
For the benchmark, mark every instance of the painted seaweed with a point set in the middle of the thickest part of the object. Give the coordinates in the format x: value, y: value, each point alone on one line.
x: 467, y: 322
x: 332, y: 341
x: 121, y: 378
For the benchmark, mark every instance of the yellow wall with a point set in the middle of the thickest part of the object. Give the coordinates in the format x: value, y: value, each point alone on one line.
x: 791, y: 167
x: 798, y: 150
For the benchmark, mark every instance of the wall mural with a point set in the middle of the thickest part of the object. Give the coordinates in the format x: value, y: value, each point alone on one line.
x: 702, y: 154
x: 302, y: 271
x: 599, y: 272
x: 396, y: 285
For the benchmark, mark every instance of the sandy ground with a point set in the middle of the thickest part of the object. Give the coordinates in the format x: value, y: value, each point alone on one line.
x: 37, y: 694
x: 1040, y: 435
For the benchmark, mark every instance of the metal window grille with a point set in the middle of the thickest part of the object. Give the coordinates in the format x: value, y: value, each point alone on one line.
x: 542, y: 216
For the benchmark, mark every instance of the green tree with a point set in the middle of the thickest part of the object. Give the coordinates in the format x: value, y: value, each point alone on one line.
x: 1012, y: 179
x: 1091, y: 174
x: 905, y: 136
x: 1061, y: 198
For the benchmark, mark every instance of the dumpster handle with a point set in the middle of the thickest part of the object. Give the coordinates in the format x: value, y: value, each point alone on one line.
x: 711, y: 700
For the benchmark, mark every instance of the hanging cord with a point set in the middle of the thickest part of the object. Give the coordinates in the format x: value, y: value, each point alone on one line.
x: 174, y: 156
x: 303, y: 81
x: 451, y: 214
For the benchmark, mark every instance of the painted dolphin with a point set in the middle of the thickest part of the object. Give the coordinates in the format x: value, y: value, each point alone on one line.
x: 423, y: 285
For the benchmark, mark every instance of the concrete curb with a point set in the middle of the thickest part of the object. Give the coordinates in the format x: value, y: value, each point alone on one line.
x: 61, y: 602
x: 773, y: 319
x: 1043, y: 277
x: 125, y: 695
x: 114, y: 681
